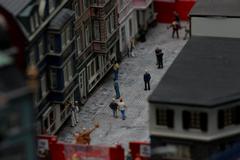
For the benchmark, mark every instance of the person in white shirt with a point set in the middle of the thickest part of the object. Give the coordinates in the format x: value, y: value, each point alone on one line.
x: 122, y: 108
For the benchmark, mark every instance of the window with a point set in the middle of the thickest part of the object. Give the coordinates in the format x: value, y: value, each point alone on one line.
x: 92, y: 68
x: 112, y: 21
x: 70, y: 69
x: 123, y: 33
x: 85, y: 4
x: 51, y: 5
x: 32, y: 24
x: 68, y: 72
x: 97, y: 63
x: 41, y: 49
x: 44, y: 84
x: 36, y: 18
x: 108, y: 26
x: 96, y: 30
x: 64, y: 39
x: 53, y: 79
x: 130, y: 27
x: 79, y: 44
x: 228, y: 117
x: 87, y: 36
x: 165, y: 117
x: 196, y: 120
x: 69, y: 34
x: 51, y: 42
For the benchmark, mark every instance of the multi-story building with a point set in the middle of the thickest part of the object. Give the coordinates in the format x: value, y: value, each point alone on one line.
x: 96, y: 30
x: 128, y: 25
x: 194, y: 111
x: 134, y: 16
x: 49, y: 30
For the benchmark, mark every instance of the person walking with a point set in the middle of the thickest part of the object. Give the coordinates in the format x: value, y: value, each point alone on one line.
x: 114, y: 106
x: 187, y: 31
x: 175, y: 27
x: 115, y: 70
x: 147, y: 78
x: 159, y: 55
x: 131, y: 46
x: 116, y: 88
x: 122, y: 108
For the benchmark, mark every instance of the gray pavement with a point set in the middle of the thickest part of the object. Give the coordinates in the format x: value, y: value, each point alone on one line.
x: 135, y: 128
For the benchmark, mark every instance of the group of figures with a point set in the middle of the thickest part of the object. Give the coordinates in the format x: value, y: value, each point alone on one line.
x: 121, y: 106
x: 176, y: 26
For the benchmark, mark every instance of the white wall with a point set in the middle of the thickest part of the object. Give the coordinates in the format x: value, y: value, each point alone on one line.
x: 215, y: 26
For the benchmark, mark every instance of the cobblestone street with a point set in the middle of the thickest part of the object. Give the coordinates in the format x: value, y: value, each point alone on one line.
x: 135, y: 127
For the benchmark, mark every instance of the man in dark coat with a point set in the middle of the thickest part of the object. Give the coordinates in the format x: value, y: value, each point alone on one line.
x: 114, y: 106
x: 146, y: 78
x: 159, y: 55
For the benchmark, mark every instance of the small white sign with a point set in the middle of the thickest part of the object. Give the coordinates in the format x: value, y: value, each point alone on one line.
x: 145, y: 150
x: 43, y: 144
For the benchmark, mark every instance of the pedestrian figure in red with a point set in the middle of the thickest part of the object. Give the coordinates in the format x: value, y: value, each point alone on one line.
x: 175, y: 27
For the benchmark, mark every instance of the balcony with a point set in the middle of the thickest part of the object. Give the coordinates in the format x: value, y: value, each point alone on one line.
x: 141, y: 4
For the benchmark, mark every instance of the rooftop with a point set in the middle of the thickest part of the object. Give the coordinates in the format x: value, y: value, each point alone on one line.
x: 61, y: 18
x: 228, y: 8
x: 14, y: 6
x: 205, y: 73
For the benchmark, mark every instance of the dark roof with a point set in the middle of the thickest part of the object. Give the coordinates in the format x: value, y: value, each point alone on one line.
x: 205, y: 73
x: 14, y: 6
x: 216, y: 8
x: 60, y: 20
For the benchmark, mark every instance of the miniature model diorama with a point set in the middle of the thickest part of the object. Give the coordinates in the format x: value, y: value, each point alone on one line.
x: 194, y: 111
x: 83, y: 137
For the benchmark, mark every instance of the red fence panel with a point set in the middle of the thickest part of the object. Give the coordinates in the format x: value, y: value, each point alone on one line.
x: 140, y: 148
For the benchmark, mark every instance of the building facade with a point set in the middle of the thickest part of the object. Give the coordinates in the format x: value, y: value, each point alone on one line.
x: 97, y: 41
x: 195, y: 116
x: 50, y: 45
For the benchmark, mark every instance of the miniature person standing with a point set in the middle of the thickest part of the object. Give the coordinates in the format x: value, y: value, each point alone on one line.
x: 76, y: 110
x: 115, y: 70
x: 114, y: 106
x: 146, y: 78
x: 122, y: 108
x: 72, y: 110
x: 131, y: 46
x: 116, y: 87
x: 175, y: 27
x: 187, y: 31
x: 159, y: 55
x: 157, y: 50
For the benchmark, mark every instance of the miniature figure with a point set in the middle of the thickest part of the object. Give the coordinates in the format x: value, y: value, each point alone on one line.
x: 131, y: 46
x: 115, y: 70
x: 175, y: 27
x: 114, y: 106
x: 76, y: 110
x: 129, y: 155
x: 159, y: 55
x: 146, y: 78
x: 187, y: 31
x: 177, y: 18
x: 73, y: 114
x: 117, y: 91
x: 84, y: 136
x: 122, y: 108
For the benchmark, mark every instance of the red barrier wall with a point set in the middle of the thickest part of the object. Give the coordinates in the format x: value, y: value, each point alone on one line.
x: 56, y: 149
x: 135, y: 149
x: 165, y: 9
